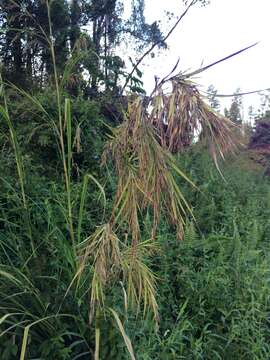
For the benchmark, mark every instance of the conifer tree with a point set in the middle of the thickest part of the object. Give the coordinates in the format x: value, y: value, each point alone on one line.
x: 235, y: 111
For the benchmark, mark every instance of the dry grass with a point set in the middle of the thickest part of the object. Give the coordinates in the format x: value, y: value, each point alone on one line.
x: 142, y: 150
x: 182, y: 116
x: 108, y: 259
x: 101, y: 252
x: 145, y: 174
x: 139, y: 279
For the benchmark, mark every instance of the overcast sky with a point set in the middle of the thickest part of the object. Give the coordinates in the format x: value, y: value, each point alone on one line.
x: 212, y: 32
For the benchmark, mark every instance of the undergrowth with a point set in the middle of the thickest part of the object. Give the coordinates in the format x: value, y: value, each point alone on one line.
x: 213, y: 287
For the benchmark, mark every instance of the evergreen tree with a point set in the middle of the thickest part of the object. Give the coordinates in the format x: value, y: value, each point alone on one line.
x: 235, y: 111
x: 214, y: 103
x: 76, y: 15
x: 252, y: 115
x: 11, y: 44
x: 260, y: 138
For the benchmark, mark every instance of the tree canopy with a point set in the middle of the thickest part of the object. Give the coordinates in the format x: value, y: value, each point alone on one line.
x: 92, y: 27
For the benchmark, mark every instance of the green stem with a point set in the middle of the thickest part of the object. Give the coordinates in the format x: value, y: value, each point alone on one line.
x: 67, y: 168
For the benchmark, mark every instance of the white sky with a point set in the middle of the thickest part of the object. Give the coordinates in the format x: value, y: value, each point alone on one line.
x: 212, y: 32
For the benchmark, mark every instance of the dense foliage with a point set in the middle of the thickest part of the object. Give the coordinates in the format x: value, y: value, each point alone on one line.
x: 213, y: 293
x: 260, y: 138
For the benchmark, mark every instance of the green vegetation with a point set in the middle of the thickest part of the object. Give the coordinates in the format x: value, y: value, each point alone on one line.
x: 123, y: 235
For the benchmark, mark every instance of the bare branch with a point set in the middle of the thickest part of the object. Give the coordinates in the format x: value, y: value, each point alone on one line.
x: 193, y: 2
x: 158, y: 84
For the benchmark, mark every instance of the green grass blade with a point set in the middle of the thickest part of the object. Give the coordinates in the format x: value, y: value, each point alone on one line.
x: 123, y: 333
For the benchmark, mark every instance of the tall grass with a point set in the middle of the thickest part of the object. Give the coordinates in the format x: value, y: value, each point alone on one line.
x: 19, y: 163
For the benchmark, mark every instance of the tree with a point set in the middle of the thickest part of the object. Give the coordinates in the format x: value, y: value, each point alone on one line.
x: 108, y: 29
x: 214, y: 103
x: 261, y: 134
x: 11, y: 44
x: 24, y: 48
x: 235, y: 111
x: 76, y: 21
